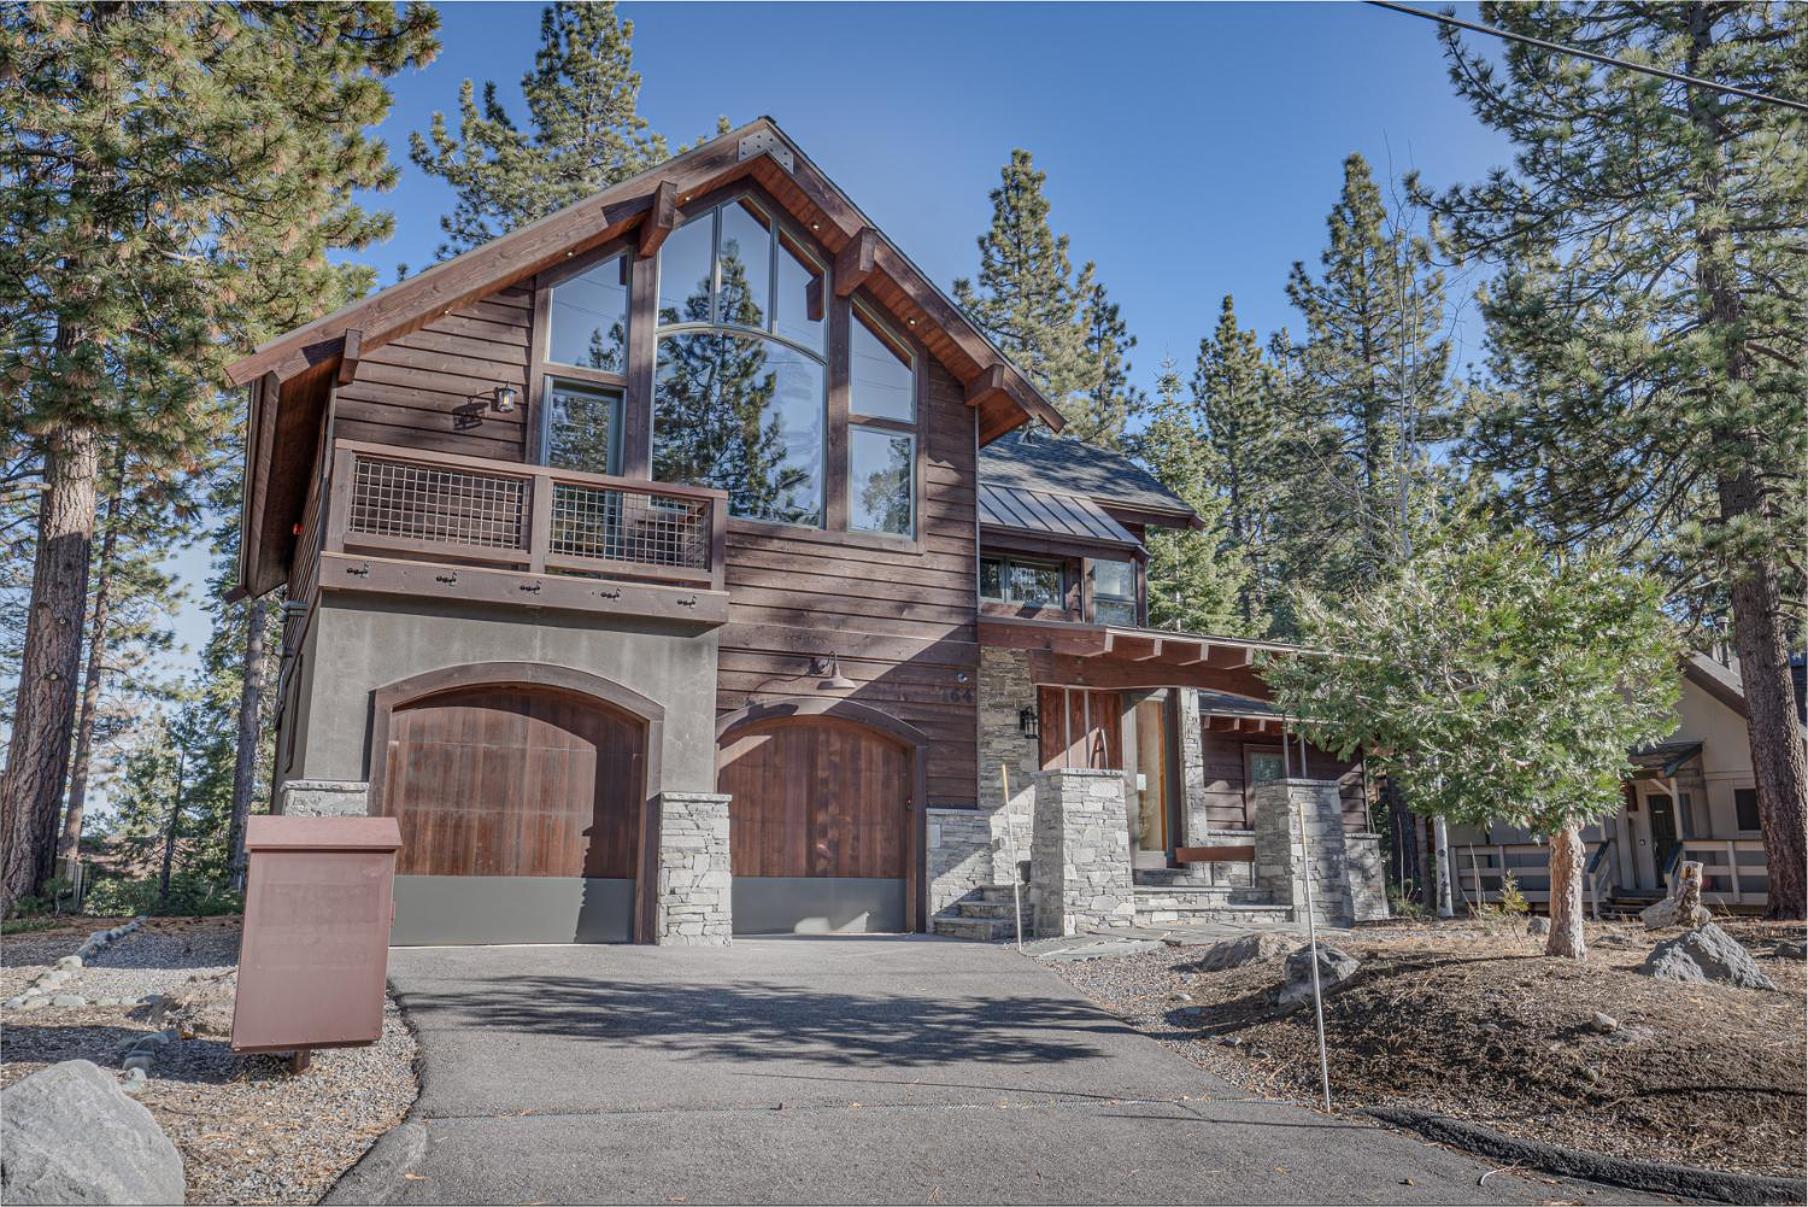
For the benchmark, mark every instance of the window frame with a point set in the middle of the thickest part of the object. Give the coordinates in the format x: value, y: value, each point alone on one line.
x: 543, y: 373
x: 1134, y: 599
x: 1739, y: 826
x: 1010, y: 560
x: 853, y: 310
x: 710, y: 208
x: 617, y: 423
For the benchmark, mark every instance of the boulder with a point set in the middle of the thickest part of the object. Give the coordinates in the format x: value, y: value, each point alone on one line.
x: 1791, y: 949
x: 1705, y: 954
x: 1335, y: 966
x: 1538, y: 924
x: 1246, y: 949
x: 202, y: 1006
x: 73, y: 1136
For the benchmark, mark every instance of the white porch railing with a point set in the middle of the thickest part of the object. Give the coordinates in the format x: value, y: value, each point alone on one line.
x: 1733, y: 870
x: 1480, y: 867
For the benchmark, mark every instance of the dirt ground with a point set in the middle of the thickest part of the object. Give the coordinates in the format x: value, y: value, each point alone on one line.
x: 1473, y: 1021
x: 248, y: 1131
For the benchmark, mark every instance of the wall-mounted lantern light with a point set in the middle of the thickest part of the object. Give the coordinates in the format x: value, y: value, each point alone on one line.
x: 1026, y: 722
x: 832, y: 678
x: 505, y: 400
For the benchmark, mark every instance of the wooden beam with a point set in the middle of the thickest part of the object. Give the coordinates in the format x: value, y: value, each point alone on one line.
x: 660, y: 221
x: 856, y: 262
x: 349, y: 354
x: 1154, y: 651
x: 988, y: 385
x: 1202, y: 652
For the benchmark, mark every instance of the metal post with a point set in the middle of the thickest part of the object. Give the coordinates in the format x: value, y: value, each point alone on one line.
x: 1318, y: 997
x: 1010, y: 825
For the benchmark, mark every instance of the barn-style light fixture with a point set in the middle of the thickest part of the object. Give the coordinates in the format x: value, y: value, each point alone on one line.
x: 505, y: 400
x: 832, y: 678
x: 1026, y: 722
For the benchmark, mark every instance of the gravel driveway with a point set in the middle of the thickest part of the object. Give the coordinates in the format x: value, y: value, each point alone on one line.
x: 844, y: 1069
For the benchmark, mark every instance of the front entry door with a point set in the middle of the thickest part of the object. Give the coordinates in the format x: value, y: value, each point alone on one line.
x: 1149, y: 836
x: 1662, y: 812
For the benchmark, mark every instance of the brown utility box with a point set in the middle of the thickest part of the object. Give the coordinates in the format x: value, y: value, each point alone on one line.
x: 315, y: 952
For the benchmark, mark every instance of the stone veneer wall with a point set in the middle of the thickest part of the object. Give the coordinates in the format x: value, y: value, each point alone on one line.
x: 323, y: 798
x: 1192, y: 770
x: 1080, y: 863
x: 1005, y: 688
x: 1300, y: 835
x: 960, y: 855
x: 694, y: 904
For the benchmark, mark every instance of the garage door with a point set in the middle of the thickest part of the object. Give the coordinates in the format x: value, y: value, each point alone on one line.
x: 520, y: 816
x: 819, y: 827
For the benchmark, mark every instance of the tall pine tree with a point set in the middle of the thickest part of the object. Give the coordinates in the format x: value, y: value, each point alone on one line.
x: 1648, y: 325
x: 1372, y: 388
x: 586, y: 131
x: 172, y: 178
x: 1026, y: 297
x: 1099, y: 414
x: 1196, y: 576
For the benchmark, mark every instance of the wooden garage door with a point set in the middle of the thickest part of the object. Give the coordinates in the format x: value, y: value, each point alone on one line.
x: 514, y: 781
x: 817, y: 798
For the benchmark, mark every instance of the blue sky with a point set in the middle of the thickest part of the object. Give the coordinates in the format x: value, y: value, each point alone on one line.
x: 1191, y: 150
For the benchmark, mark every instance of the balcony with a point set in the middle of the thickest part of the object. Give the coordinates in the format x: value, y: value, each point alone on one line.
x: 411, y: 522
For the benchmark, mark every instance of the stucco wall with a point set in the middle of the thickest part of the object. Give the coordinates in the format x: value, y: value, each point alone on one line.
x: 360, y: 644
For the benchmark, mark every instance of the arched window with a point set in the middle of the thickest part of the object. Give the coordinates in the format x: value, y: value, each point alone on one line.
x: 740, y: 394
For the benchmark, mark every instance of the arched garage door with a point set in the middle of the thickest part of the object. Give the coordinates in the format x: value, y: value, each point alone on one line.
x: 520, y: 812
x: 820, y: 826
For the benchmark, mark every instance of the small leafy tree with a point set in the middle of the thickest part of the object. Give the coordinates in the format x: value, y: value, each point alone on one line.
x: 1495, y: 686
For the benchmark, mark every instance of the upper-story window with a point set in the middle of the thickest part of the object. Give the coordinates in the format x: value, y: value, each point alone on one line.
x: 1020, y: 581
x: 741, y: 388
x: 882, y: 444
x: 587, y: 318
x: 1113, y: 592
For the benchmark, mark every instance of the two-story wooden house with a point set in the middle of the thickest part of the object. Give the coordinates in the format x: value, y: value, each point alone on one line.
x: 665, y: 568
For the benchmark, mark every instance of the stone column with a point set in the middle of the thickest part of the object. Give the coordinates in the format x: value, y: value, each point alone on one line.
x: 694, y: 904
x: 1005, y: 690
x: 323, y: 798
x: 1299, y: 834
x: 1080, y: 861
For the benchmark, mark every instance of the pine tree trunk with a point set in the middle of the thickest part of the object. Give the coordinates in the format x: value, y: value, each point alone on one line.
x: 1567, y: 853
x: 69, y: 846
x: 169, y: 836
x: 38, y: 757
x: 244, y: 769
x: 1779, y: 760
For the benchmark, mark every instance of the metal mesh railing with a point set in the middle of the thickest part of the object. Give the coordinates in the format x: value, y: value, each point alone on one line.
x: 599, y: 524
x: 435, y: 505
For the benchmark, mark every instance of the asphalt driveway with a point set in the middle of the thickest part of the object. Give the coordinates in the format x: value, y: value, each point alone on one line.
x: 858, y: 1070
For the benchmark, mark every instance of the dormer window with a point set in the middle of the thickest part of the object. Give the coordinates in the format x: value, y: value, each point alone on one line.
x: 741, y: 385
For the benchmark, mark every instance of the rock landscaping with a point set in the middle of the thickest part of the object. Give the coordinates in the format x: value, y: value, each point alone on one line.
x: 72, y: 1136
x: 1471, y: 1021
x: 1706, y: 953
x: 1246, y: 949
x: 55, y: 985
x: 247, y: 1130
x: 1335, y: 966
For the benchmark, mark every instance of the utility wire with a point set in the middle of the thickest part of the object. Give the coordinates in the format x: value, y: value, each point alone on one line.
x: 1609, y: 60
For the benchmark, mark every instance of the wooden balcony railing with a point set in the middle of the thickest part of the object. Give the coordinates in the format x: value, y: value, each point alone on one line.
x: 415, y: 505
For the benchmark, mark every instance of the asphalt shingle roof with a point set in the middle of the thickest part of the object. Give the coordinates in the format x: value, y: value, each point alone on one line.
x: 1047, y: 462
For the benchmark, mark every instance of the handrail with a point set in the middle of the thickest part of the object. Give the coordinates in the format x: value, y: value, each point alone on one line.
x: 422, y: 505
x: 1599, y: 854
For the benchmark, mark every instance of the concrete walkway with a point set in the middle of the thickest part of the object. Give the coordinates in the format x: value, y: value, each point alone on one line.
x: 858, y: 1070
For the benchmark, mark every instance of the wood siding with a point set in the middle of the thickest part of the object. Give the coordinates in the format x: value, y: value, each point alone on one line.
x: 1226, y: 786
x: 1080, y: 729
x: 899, y: 614
x: 432, y: 388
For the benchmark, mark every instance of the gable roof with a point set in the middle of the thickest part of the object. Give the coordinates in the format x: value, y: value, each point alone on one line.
x: 292, y: 376
x: 1716, y: 679
x: 1037, y: 461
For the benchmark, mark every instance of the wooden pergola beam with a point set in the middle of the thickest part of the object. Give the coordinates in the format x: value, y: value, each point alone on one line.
x: 856, y: 262
x: 660, y: 221
x: 1153, y: 652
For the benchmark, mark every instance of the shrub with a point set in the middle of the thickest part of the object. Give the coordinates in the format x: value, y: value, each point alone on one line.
x: 189, y: 896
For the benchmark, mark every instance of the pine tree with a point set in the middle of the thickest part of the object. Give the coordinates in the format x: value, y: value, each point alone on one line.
x: 1195, y: 576
x: 1647, y: 327
x: 1372, y: 387
x: 173, y: 177
x: 1026, y: 297
x: 1233, y: 390
x: 1109, y: 401
x: 586, y: 132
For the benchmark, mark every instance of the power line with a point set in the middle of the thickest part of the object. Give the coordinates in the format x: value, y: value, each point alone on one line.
x: 1609, y: 60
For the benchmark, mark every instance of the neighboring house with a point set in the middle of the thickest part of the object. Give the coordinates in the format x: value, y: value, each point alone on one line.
x: 1691, y: 796
x: 668, y: 568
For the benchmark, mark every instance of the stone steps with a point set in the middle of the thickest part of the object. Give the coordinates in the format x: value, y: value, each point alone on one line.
x: 1158, y: 906
x: 982, y: 930
x: 985, y: 916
